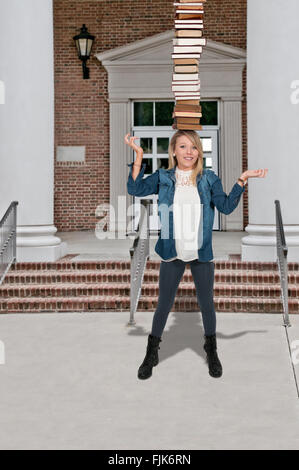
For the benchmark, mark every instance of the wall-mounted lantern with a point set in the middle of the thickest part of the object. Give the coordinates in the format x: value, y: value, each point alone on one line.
x: 84, y: 42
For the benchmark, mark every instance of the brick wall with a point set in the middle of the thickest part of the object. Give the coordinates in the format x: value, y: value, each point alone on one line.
x: 81, y: 107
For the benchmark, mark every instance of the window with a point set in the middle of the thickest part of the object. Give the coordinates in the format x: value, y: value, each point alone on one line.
x: 143, y: 114
x: 159, y: 113
x: 209, y: 111
x: 150, y: 113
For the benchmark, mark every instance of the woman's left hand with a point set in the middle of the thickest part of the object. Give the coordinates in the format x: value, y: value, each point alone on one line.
x: 260, y: 173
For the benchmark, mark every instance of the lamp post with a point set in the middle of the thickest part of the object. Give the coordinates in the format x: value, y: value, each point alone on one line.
x: 84, y: 42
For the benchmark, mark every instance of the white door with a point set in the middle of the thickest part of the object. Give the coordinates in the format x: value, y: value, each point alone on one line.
x: 155, y: 155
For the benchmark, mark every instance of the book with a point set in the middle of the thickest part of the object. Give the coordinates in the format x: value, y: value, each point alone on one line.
x: 183, y: 6
x: 185, y: 76
x: 186, y: 120
x: 194, y: 102
x: 185, y: 33
x: 187, y: 114
x: 186, y: 81
x: 176, y: 116
x: 186, y: 61
x: 189, y: 123
x: 182, y: 10
x: 189, y: 9
x: 186, y: 56
x: 182, y: 69
x: 186, y: 93
x: 188, y: 21
x: 188, y: 126
x: 187, y: 107
x: 185, y: 88
x: 184, y: 114
x: 186, y: 16
x: 183, y: 83
x: 188, y: 98
x: 190, y: 2
x: 187, y: 49
x: 197, y: 13
x: 194, y: 95
x: 189, y: 42
x: 187, y: 25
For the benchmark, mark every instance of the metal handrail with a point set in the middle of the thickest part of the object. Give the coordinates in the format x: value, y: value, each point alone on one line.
x: 282, y: 252
x: 139, y: 254
x: 8, y: 239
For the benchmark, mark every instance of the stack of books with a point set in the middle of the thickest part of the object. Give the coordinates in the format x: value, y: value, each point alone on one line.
x: 187, y: 49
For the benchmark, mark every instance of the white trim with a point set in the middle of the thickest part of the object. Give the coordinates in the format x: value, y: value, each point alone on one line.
x: 228, y: 53
x: 143, y: 71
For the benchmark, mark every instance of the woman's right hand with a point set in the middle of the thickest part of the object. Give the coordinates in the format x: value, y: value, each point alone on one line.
x: 131, y: 144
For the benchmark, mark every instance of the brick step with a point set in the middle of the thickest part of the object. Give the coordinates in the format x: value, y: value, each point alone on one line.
x: 150, y: 275
x: 119, y: 303
x: 185, y: 289
x: 50, y: 277
x: 67, y: 286
x: 116, y: 264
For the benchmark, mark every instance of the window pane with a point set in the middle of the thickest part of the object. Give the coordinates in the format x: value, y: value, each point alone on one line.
x: 162, y: 163
x: 143, y: 114
x: 206, y: 144
x: 162, y: 144
x: 149, y: 165
x: 209, y: 110
x: 208, y: 162
x: 146, y: 144
x: 164, y: 110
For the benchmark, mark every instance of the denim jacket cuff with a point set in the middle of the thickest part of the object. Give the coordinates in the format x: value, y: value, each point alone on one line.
x: 131, y: 182
x: 238, y: 189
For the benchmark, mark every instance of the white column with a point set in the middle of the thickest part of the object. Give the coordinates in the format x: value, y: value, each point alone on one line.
x: 27, y: 125
x: 273, y: 123
x: 231, y: 157
x: 120, y: 155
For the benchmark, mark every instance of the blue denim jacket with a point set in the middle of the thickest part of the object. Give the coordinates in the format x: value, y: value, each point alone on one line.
x: 211, y: 194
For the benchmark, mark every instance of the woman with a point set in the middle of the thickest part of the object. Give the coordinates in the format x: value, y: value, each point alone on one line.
x: 188, y: 195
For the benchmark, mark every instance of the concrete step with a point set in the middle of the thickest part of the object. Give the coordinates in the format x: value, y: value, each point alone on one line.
x: 185, y: 289
x: 120, y: 303
x: 105, y: 285
x: 151, y: 264
x: 253, y: 276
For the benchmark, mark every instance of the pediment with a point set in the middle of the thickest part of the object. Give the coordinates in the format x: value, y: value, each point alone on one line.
x: 157, y: 49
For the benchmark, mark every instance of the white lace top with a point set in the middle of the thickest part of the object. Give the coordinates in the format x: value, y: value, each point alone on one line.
x: 186, y: 216
x: 183, y: 177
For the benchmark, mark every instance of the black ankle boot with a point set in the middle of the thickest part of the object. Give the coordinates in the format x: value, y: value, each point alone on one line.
x: 151, y: 359
x: 210, y: 346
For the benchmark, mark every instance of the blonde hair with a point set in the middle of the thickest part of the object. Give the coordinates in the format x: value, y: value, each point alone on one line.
x: 195, y: 139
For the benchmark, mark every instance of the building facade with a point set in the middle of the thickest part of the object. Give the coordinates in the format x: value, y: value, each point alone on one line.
x: 70, y: 157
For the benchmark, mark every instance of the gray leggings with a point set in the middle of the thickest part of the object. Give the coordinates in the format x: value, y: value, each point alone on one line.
x: 171, y: 274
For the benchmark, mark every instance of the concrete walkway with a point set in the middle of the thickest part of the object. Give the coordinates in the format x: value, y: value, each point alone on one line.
x: 89, y: 248
x: 69, y: 381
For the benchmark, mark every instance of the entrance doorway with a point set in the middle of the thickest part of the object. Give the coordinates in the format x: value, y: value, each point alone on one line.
x: 154, y: 141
